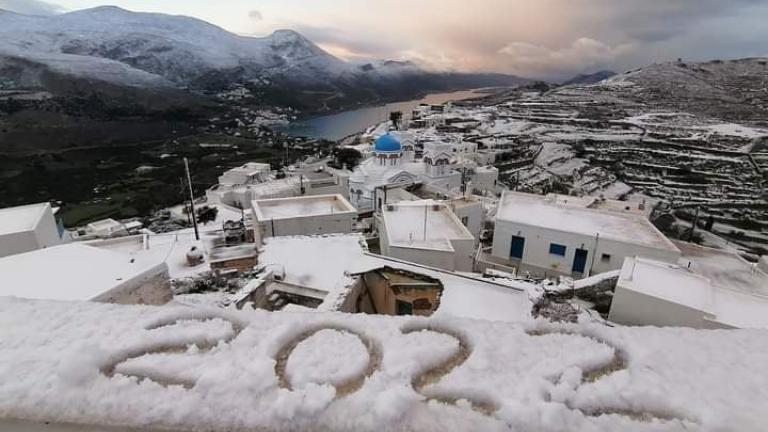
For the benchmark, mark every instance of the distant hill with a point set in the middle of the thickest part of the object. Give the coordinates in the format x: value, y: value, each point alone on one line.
x: 146, y: 52
x: 735, y: 90
x: 590, y: 78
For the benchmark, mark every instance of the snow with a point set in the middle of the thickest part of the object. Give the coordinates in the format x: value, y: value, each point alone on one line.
x: 723, y: 269
x: 668, y: 282
x: 148, y: 49
x: 328, y: 263
x: 539, y: 211
x: 70, y: 272
x: 318, y: 262
x: 725, y: 304
x: 316, y: 359
x: 22, y: 218
x: 224, y: 213
x: 416, y: 224
x: 537, y: 379
x: 307, y: 206
x: 170, y: 248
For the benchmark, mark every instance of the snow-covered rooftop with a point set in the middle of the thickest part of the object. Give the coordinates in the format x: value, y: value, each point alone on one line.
x: 306, y: 206
x: 541, y: 211
x: 21, y: 218
x: 326, y: 263
x: 104, y: 365
x: 683, y: 286
x: 317, y: 262
x: 70, y: 272
x: 723, y: 268
x: 423, y: 224
x: 170, y: 248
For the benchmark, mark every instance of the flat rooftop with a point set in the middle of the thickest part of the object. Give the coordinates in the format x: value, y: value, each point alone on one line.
x: 21, y: 218
x: 250, y: 168
x: 288, y: 208
x: 72, y: 271
x: 301, y: 258
x: 727, y: 304
x: 541, y: 211
x: 723, y: 268
x: 423, y: 224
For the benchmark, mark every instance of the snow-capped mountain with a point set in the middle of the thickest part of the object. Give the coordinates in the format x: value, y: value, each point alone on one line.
x: 120, y: 47
x: 175, y: 49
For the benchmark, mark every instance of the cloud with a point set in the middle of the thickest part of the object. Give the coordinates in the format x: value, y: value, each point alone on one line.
x: 31, y: 7
x: 550, y: 39
x: 255, y: 15
x: 582, y: 54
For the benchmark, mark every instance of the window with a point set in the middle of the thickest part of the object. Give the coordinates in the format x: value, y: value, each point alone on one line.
x: 605, y: 258
x: 556, y: 249
x: 403, y: 307
x: 465, y: 220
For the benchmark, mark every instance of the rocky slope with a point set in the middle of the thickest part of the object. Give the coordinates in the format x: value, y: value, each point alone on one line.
x: 734, y: 90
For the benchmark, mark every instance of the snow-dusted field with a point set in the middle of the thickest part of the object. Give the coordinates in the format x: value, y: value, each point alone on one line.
x: 196, y: 369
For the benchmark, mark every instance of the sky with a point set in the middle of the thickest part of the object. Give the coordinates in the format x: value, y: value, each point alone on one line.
x: 546, y: 39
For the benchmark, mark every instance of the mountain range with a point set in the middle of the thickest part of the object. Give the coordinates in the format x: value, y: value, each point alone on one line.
x: 116, y: 48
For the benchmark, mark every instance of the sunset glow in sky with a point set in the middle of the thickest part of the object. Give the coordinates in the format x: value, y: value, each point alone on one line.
x: 535, y: 38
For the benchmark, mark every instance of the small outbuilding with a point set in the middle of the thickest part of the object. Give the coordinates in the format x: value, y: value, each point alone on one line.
x: 27, y: 228
x: 79, y: 272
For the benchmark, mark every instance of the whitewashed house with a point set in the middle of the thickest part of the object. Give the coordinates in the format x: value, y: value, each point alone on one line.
x: 320, y: 214
x: 251, y: 172
x: 485, y: 178
x: 305, y: 181
x: 80, y: 272
x: 691, y: 295
x: 106, y: 228
x: 547, y: 236
x: 428, y: 233
x: 27, y: 228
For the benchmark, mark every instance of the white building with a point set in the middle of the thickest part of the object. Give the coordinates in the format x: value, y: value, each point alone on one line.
x: 321, y: 214
x: 333, y: 284
x: 27, y: 228
x: 661, y: 294
x: 106, y: 228
x: 77, y: 271
x: 251, y: 172
x: 393, y: 163
x: 470, y: 211
x: 485, y: 178
x: 312, y: 181
x: 547, y: 236
x: 428, y: 233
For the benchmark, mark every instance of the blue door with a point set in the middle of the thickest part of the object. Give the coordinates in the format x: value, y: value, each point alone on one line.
x: 518, y: 245
x: 580, y: 261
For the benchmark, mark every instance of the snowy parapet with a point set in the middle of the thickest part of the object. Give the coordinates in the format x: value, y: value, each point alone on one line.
x: 220, y: 370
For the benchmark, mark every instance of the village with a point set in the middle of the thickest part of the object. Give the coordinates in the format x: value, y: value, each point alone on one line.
x: 470, y: 215
x: 454, y: 209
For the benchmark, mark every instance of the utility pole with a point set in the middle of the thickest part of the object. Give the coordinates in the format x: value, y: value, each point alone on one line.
x: 191, y: 199
x: 186, y: 204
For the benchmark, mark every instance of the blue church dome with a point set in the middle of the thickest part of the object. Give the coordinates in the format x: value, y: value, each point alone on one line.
x: 387, y: 144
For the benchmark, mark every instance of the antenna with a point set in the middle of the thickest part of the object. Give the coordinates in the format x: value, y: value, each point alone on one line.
x: 191, y: 199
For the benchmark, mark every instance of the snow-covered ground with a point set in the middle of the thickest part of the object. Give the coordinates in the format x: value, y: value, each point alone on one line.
x: 127, y: 365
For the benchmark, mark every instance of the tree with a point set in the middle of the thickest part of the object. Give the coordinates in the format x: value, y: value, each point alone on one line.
x: 347, y: 156
x: 207, y: 214
x: 396, y: 117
